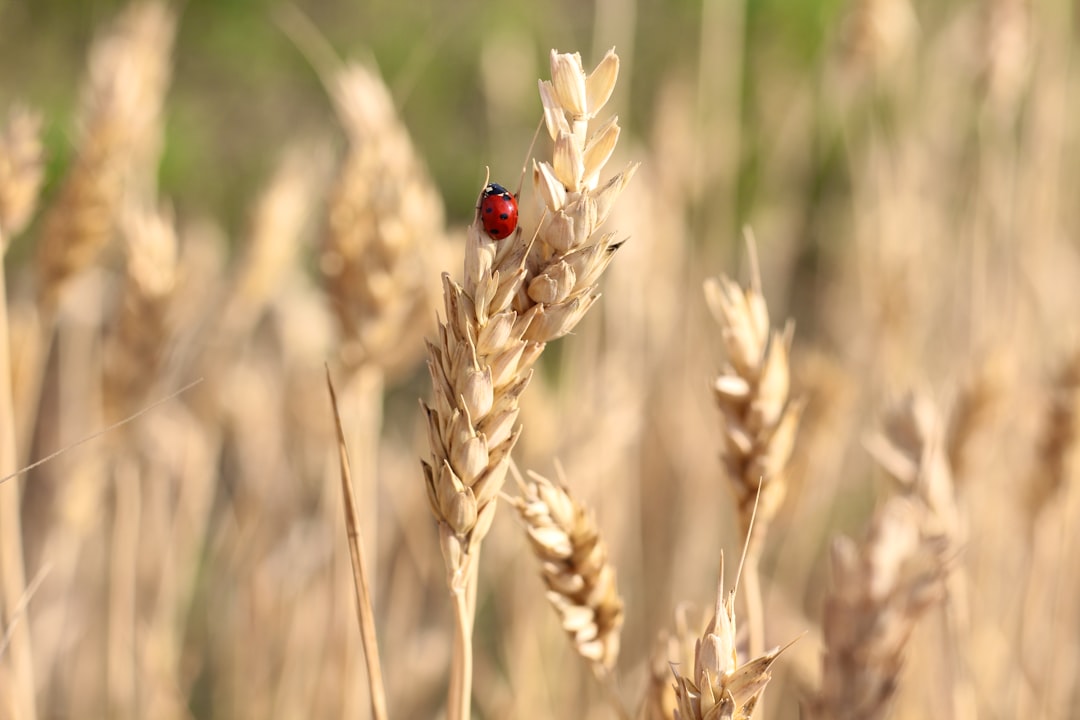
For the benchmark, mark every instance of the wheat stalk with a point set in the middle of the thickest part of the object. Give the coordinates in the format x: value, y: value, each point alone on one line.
x: 517, y: 294
x: 20, y: 178
x: 580, y: 581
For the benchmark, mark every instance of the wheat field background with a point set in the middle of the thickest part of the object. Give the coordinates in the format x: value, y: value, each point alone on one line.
x: 832, y: 318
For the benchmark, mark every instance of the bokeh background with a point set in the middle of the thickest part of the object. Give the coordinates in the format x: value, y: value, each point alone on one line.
x: 909, y: 170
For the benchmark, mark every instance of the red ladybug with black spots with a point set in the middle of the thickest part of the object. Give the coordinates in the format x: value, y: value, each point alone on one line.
x: 498, y: 211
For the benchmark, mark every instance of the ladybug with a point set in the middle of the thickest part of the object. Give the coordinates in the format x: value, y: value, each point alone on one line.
x: 498, y: 211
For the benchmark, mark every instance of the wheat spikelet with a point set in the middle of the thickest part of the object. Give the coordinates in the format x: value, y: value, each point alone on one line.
x: 580, y: 581
x: 518, y: 293
x: 384, y: 228
x: 21, y: 171
x: 720, y: 686
x: 753, y: 394
x: 128, y: 71
x: 879, y: 588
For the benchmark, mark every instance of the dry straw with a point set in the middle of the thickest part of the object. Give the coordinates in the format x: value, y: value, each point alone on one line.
x: 517, y: 294
x: 580, y: 580
x: 20, y: 178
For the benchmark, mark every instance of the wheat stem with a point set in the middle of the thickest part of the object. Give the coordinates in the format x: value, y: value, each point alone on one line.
x: 364, y: 606
x: 16, y: 665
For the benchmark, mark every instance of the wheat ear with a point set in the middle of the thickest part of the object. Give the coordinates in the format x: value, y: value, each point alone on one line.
x: 384, y: 228
x: 21, y: 171
x: 573, y: 557
x: 123, y: 93
x: 912, y: 447
x: 517, y: 294
x: 720, y: 687
x: 760, y: 418
x: 879, y: 588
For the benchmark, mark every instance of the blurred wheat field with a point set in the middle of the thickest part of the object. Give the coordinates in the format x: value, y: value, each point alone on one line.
x: 875, y: 385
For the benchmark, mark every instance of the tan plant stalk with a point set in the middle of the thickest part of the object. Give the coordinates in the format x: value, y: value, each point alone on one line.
x: 879, y: 589
x: 721, y: 688
x: 16, y: 663
x: 580, y: 581
x: 517, y: 294
x: 20, y: 179
x: 21, y: 171
x: 760, y: 418
x: 127, y: 74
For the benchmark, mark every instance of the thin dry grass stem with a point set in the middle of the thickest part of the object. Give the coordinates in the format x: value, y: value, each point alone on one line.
x: 384, y: 230
x: 364, y: 608
x: 128, y: 71
x: 721, y: 687
x: 573, y: 557
x: 518, y: 293
x: 140, y: 334
x: 879, y: 589
x: 1057, y: 447
x: 21, y: 171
